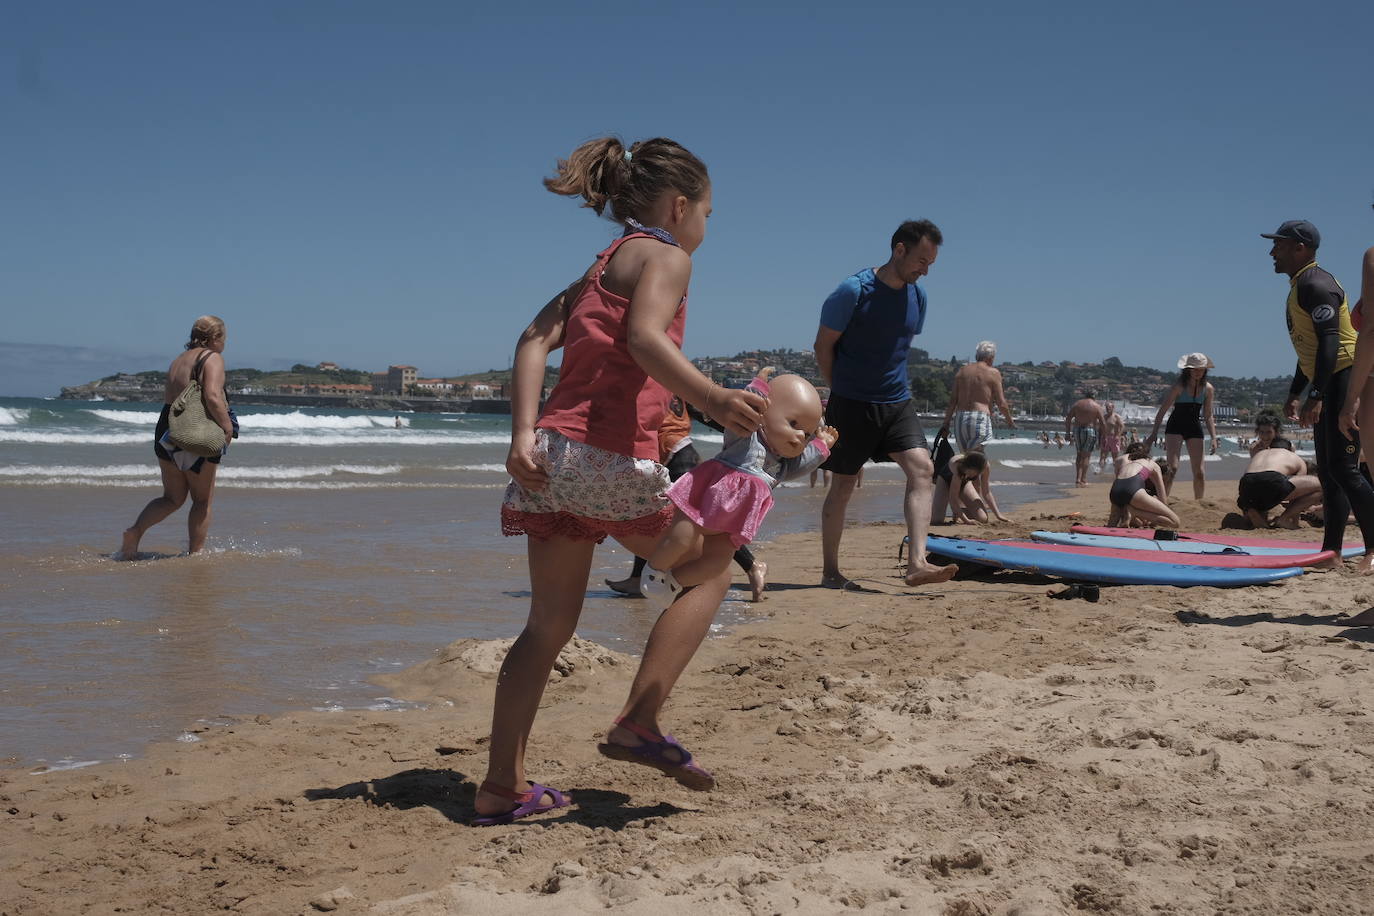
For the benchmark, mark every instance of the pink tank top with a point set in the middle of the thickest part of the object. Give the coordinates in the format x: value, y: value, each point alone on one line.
x: 602, y: 397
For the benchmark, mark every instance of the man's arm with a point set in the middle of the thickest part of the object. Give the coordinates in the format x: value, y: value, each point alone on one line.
x: 826, y: 339
x: 1000, y: 399
x: 835, y: 315
x: 1322, y: 306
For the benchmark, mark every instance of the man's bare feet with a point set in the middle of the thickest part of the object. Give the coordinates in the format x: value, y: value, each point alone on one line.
x: 128, y: 547
x: 929, y: 575
x: 758, y: 579
x: 1334, y: 563
x: 629, y: 586
x: 1364, y: 565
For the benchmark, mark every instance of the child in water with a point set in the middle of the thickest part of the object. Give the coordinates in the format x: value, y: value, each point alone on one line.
x: 721, y: 502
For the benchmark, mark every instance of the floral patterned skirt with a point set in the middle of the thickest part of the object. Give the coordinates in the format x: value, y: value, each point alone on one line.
x: 591, y: 493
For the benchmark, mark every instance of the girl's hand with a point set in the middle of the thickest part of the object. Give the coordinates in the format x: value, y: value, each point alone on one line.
x: 1214, y: 445
x: 829, y: 435
x: 736, y: 409
x: 520, y: 463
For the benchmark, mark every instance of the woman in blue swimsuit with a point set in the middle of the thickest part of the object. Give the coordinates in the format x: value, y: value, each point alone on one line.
x: 1191, y: 401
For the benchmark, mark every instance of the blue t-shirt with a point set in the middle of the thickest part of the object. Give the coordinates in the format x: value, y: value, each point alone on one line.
x: 876, y: 324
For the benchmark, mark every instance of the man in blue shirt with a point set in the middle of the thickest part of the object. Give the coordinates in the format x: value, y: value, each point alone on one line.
x: 862, y: 346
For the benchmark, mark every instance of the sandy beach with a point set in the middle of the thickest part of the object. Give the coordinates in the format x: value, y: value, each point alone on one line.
x: 976, y: 748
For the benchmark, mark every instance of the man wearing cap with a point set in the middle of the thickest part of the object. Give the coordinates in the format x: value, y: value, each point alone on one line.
x: 862, y: 347
x: 1084, y: 422
x: 1319, y: 326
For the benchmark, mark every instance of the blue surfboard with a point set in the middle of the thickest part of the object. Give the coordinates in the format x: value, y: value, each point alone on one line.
x: 1089, y: 568
x: 1204, y: 547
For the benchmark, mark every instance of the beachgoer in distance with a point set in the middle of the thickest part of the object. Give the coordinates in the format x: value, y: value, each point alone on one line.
x: 1191, y: 399
x: 722, y: 501
x: 1268, y: 427
x: 1130, y: 496
x: 1113, y: 428
x: 1083, y: 424
x: 1059, y: 438
x: 184, y: 474
x: 977, y: 386
x: 862, y: 346
x: 965, y: 490
x: 1045, y: 438
x: 679, y: 455
x: 1277, y: 475
x: 586, y: 466
x: 1319, y: 327
x: 1359, y: 409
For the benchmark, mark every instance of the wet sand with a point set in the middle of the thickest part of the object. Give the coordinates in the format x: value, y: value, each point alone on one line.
x: 971, y: 748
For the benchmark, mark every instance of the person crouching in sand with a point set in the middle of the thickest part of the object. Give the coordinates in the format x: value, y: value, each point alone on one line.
x: 722, y: 501
x: 965, y: 487
x: 1130, y: 496
x: 1277, y: 475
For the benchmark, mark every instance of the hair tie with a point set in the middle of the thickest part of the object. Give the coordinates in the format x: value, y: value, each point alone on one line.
x: 629, y: 155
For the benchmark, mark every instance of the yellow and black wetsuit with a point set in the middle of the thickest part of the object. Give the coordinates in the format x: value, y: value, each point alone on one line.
x: 1319, y: 326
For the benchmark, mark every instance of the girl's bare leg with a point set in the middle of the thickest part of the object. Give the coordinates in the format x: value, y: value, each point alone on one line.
x: 673, y: 642
x: 202, y: 486
x: 174, y: 490
x: 559, y: 568
x: 717, y: 550
x: 1154, y: 509
x: 680, y: 541
x: 1173, y: 445
x: 1195, y: 459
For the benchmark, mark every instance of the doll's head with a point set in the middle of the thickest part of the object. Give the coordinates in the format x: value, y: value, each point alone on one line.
x: 793, y: 415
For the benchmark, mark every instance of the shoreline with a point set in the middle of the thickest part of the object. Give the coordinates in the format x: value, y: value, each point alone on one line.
x: 970, y: 748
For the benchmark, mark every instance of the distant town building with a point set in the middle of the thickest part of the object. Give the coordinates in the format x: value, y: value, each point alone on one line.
x: 328, y: 367
x: 395, y: 380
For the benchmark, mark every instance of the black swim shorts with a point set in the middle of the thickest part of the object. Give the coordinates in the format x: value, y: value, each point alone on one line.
x: 1263, y: 490
x: 871, y: 431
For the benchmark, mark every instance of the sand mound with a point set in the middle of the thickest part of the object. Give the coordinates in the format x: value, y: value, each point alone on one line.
x: 456, y: 667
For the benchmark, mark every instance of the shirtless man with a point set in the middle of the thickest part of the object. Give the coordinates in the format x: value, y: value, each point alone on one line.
x: 1114, y: 428
x: 1277, y: 475
x: 977, y: 386
x: 1083, y: 423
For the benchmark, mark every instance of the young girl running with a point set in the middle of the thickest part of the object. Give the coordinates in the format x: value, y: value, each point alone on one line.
x: 585, y: 467
x: 721, y: 502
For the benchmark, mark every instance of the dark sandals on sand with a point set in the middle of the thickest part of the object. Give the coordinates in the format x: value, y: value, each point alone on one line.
x: 526, y: 803
x: 662, y: 752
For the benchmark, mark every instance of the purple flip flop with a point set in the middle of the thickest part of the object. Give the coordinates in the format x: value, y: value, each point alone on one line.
x: 658, y: 752
x: 526, y: 803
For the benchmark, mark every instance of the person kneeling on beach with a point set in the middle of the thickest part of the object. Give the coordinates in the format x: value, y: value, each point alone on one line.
x: 1277, y: 475
x: 1135, y: 494
x: 965, y: 487
x: 722, y: 501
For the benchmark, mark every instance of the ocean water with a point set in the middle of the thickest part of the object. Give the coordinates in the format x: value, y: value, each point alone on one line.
x: 341, y: 546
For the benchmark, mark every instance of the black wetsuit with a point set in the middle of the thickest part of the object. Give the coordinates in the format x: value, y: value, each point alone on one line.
x: 1319, y: 325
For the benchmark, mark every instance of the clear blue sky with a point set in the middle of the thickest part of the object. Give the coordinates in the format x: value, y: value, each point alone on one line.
x: 360, y: 181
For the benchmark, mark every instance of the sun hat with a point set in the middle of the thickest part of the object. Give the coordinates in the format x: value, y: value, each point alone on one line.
x: 1195, y: 361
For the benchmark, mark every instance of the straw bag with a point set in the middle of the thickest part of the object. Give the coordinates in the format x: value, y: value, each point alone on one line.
x: 188, y: 426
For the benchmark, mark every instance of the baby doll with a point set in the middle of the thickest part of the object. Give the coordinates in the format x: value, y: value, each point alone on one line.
x: 721, y: 502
